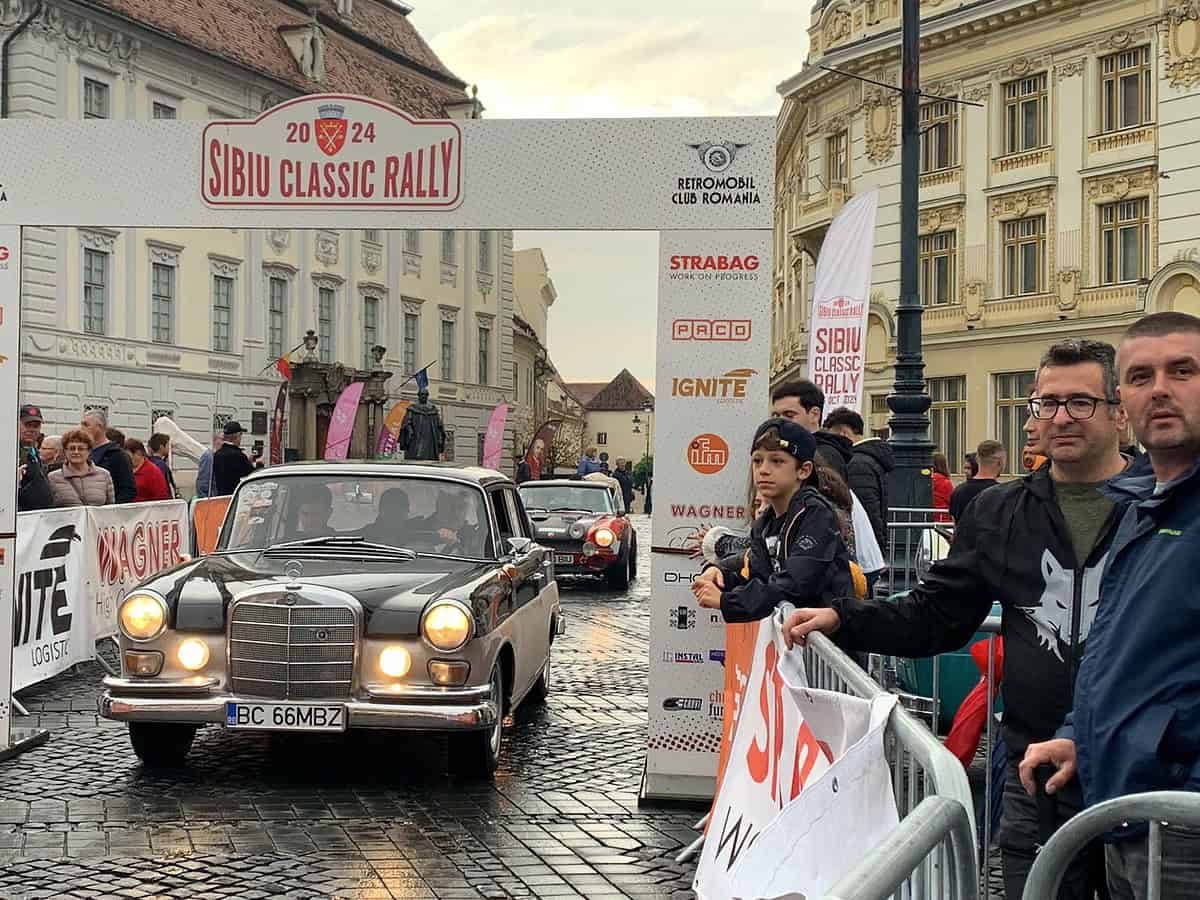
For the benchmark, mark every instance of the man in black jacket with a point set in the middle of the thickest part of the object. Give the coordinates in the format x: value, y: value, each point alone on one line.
x: 870, y: 468
x: 1038, y: 545
x: 33, y: 486
x: 803, y: 402
x: 230, y: 465
x: 110, y: 455
x: 625, y: 479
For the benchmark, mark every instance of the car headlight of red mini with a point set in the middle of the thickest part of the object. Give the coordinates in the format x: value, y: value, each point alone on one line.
x: 603, y: 537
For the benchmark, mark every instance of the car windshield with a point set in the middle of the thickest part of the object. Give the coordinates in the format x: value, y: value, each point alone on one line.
x: 421, y: 514
x: 566, y: 496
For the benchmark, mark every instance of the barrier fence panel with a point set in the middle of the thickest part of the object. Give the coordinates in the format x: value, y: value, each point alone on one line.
x: 922, y: 769
x: 1158, y: 808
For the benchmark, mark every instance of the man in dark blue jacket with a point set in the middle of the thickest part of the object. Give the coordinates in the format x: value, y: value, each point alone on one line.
x: 1135, y: 723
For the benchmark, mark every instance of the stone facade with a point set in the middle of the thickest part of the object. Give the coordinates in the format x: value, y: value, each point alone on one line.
x: 1057, y: 198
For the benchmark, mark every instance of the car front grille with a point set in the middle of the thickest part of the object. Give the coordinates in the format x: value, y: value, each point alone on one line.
x: 292, y: 652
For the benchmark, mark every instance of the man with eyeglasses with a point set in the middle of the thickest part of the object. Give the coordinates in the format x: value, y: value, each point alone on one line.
x: 1037, y: 545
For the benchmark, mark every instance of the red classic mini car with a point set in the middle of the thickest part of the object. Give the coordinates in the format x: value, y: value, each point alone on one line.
x: 585, y: 524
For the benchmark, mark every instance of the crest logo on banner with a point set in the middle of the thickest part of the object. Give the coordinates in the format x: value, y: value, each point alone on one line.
x: 330, y: 129
x: 708, y: 454
x: 718, y: 157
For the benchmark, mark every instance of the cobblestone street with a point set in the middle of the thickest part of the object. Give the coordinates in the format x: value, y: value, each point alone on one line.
x: 316, y: 817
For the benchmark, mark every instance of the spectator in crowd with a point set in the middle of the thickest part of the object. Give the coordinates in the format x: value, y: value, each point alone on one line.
x: 110, y: 455
x: 970, y: 465
x: 204, y: 479
x: 116, y: 436
x: 870, y: 468
x: 1135, y: 725
x: 1038, y: 545
x: 33, y: 488
x: 943, y: 487
x: 160, y: 452
x: 230, y: 465
x: 797, y: 554
x: 625, y: 479
x: 588, y: 464
x: 80, y: 482
x: 1033, y: 454
x: 990, y: 459
x: 51, y: 453
x: 151, y: 484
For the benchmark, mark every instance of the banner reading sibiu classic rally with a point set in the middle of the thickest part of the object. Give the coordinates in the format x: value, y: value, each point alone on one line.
x: 73, y: 566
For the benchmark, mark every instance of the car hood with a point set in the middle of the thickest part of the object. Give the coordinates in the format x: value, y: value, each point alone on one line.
x: 558, y: 524
x: 393, y: 593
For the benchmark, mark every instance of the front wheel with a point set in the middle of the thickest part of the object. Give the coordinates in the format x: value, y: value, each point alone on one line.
x: 618, y: 573
x: 161, y: 745
x: 476, y: 754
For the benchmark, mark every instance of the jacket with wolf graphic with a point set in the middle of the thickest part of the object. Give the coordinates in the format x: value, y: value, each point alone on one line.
x: 1012, y: 546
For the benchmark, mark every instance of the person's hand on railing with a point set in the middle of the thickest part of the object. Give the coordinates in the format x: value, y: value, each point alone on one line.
x: 1059, y: 753
x: 708, y: 586
x: 803, y: 622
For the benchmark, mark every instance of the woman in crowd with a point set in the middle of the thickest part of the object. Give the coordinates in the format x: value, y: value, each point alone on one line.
x: 80, y: 482
x: 943, y: 487
x: 50, y: 451
x: 151, y: 485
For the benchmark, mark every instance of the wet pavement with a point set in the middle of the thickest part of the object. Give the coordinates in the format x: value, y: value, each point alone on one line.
x: 256, y: 816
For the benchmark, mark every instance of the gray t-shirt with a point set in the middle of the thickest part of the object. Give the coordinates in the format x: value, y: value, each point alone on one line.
x: 1086, y: 510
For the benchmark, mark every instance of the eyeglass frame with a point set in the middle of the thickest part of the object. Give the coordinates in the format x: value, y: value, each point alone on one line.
x: 1035, y: 404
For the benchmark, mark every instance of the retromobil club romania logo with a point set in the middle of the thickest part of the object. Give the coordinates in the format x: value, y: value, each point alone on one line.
x: 719, y: 187
x: 708, y: 453
x: 333, y: 150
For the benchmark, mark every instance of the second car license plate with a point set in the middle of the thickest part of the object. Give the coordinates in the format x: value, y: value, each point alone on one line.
x: 564, y: 559
x: 285, y: 716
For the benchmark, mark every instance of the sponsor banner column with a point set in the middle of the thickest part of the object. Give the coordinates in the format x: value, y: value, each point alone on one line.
x: 10, y: 314
x: 711, y: 389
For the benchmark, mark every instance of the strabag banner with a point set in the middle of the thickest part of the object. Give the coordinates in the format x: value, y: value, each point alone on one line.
x: 712, y: 391
x: 837, y: 337
x: 787, y: 741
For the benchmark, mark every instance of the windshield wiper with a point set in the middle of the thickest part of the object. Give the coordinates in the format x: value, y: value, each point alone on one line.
x: 340, y: 542
x: 575, y: 509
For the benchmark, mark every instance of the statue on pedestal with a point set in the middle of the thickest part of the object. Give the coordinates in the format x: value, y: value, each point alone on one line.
x: 422, y: 436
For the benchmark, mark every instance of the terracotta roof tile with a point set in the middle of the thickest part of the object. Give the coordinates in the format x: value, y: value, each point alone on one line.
x: 584, y: 391
x: 247, y: 33
x: 385, y: 25
x: 623, y: 393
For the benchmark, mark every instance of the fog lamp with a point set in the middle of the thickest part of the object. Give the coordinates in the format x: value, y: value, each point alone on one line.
x: 448, y: 673
x: 590, y: 549
x: 143, y: 663
x: 193, y: 654
x: 604, y: 537
x: 395, y: 661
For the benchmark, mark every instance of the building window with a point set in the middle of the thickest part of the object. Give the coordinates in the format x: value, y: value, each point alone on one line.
x: 485, y: 343
x: 325, y: 306
x: 837, y: 161
x: 412, y: 324
x: 374, y: 235
x: 447, y: 351
x: 370, y: 330
x: 1125, y: 241
x: 485, y: 251
x: 95, y: 99
x: 939, y: 135
x: 516, y: 382
x: 95, y: 290
x: 601, y: 438
x: 1012, y: 409
x: 1025, y: 115
x: 879, y: 403
x: 1024, y: 256
x: 163, y: 301
x: 276, y: 316
x: 1125, y: 86
x: 162, y: 111
x: 448, y: 247
x: 412, y: 240
x: 948, y: 417
x: 938, y: 263
x: 222, y: 313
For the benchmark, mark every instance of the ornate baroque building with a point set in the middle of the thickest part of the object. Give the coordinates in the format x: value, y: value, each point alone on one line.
x: 185, y: 323
x: 1058, y: 187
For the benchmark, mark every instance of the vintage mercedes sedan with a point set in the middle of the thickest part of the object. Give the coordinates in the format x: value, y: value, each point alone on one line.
x: 585, y: 523
x: 345, y: 596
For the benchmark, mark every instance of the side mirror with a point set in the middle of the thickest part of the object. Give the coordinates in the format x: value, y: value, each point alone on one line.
x: 519, y: 545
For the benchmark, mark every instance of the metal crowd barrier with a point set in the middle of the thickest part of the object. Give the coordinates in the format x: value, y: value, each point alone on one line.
x: 931, y: 854
x: 1159, y: 808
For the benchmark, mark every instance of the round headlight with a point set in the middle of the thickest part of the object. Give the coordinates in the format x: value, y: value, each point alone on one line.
x: 394, y: 662
x: 447, y: 626
x: 143, y: 616
x: 577, y: 530
x: 604, y: 537
x: 193, y: 654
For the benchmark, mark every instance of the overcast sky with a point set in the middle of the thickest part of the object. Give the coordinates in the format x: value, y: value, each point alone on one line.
x: 620, y: 58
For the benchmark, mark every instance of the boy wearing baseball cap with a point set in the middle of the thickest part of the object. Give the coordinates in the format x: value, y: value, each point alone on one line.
x: 797, y: 554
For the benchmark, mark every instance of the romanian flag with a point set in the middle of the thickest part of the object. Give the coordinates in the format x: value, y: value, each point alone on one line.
x: 284, y: 367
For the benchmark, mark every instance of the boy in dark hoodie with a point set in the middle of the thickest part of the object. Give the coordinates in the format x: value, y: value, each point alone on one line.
x: 797, y: 554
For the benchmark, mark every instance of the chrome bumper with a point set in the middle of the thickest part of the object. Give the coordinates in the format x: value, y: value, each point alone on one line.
x: 192, y: 703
